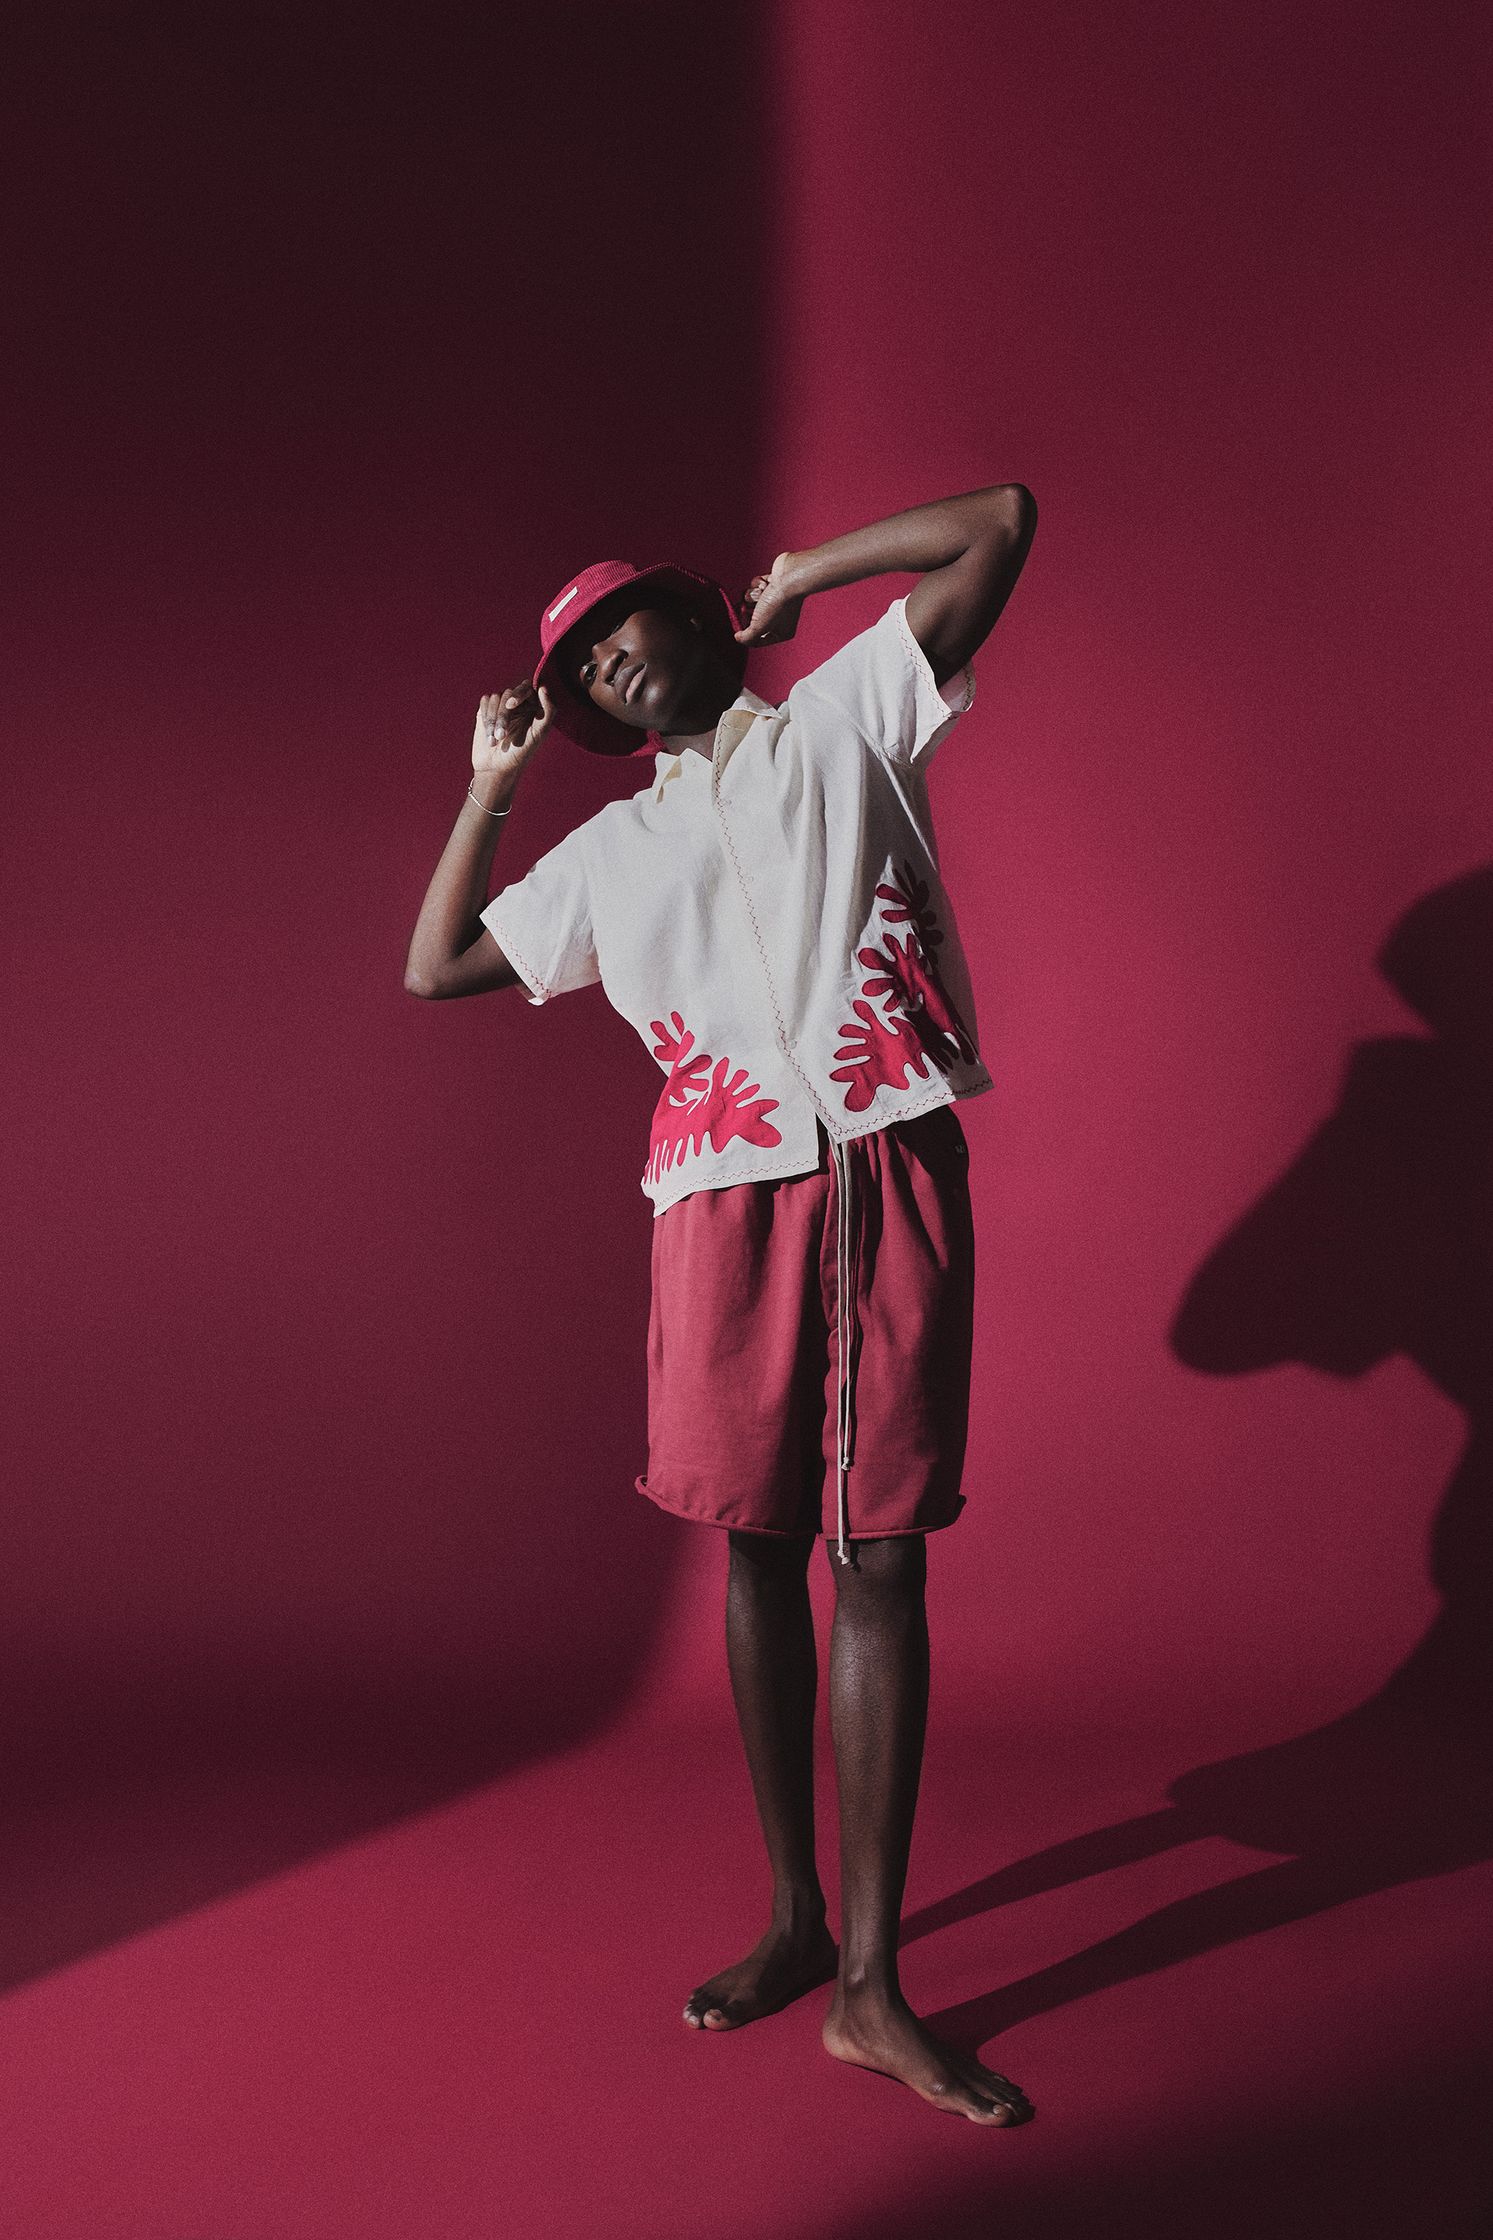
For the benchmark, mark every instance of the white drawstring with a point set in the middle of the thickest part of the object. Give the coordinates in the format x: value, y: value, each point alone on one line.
x: 844, y: 1314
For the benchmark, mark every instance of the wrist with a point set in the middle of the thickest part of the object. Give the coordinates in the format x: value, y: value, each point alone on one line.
x: 798, y: 574
x: 491, y: 789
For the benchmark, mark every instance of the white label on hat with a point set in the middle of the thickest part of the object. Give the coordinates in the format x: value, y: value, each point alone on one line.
x: 565, y: 602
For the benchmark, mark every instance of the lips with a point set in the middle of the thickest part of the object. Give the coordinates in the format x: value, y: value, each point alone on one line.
x: 634, y: 682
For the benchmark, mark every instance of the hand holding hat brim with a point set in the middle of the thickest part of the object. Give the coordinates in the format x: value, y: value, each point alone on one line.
x: 774, y: 606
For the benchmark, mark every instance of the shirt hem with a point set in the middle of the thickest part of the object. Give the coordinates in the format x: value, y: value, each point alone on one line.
x: 964, y: 675
x: 972, y: 1088
x: 786, y: 1169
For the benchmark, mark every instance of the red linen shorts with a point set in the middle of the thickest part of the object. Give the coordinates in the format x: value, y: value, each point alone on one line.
x: 747, y: 1389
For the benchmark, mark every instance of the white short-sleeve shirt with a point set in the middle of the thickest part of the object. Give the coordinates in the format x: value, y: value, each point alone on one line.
x: 772, y: 922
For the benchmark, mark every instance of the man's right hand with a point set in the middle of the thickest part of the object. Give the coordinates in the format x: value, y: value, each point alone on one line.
x: 510, y: 725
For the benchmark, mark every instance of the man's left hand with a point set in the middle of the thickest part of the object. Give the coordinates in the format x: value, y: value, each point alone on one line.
x: 773, y: 604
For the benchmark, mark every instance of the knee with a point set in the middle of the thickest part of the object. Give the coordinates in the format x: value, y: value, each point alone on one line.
x: 762, y: 1560
x: 886, y: 1575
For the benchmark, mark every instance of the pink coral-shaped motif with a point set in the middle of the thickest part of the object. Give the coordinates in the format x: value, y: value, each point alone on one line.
x: 881, y: 1054
x: 923, y: 1022
x: 907, y: 903
x: 906, y: 974
x: 698, y: 1103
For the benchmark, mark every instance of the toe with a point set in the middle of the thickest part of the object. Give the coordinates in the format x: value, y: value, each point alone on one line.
x: 993, y: 2086
x: 1011, y: 2097
x: 1013, y: 2107
x: 1001, y: 2101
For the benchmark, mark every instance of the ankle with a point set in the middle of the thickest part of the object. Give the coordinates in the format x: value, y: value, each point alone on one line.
x: 869, y: 1984
x: 799, y: 1912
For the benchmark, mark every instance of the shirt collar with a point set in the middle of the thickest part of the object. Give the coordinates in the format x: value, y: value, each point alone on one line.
x: 666, y: 760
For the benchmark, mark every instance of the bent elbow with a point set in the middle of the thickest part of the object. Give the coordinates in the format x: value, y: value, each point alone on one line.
x: 1021, y: 511
x: 417, y: 983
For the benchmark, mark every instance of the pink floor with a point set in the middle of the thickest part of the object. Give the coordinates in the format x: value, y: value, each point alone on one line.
x: 468, y: 2023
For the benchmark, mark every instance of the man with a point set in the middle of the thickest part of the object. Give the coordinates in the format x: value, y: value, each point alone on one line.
x: 768, y: 913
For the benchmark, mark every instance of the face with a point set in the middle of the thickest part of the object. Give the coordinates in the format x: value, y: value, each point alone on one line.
x: 649, y: 666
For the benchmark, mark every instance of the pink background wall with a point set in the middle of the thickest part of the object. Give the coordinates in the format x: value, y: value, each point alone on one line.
x: 329, y: 1305
x: 1215, y: 286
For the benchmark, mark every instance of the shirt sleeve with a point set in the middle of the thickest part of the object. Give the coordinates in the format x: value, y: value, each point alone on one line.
x: 882, y: 683
x: 542, y: 923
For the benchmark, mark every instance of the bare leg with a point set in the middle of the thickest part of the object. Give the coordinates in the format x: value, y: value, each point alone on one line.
x: 774, y: 1675
x: 879, y: 1715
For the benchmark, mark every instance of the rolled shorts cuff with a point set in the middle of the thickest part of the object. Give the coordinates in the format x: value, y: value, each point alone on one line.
x: 727, y: 1523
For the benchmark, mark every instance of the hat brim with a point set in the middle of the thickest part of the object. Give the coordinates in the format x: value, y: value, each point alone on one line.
x: 591, y: 727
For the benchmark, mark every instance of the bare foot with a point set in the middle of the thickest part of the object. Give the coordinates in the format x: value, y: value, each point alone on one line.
x: 783, y: 1966
x: 880, y: 2031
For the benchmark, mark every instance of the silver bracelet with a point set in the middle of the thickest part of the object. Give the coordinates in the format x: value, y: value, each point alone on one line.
x: 482, y: 805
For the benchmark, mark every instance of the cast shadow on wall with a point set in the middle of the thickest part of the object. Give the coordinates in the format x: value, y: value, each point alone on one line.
x: 1377, y: 1240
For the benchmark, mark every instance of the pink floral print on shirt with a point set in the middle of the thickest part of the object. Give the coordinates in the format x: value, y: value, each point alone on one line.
x: 697, y: 1102
x: 922, y: 1024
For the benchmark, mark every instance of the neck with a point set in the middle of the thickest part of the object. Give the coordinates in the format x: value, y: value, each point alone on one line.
x: 690, y: 731
x: 714, y: 690
x: 703, y: 742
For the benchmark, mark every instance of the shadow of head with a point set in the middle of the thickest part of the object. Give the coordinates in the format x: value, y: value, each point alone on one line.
x: 1378, y: 1238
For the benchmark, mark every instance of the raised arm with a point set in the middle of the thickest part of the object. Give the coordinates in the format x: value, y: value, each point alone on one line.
x: 452, y: 953
x: 968, y: 552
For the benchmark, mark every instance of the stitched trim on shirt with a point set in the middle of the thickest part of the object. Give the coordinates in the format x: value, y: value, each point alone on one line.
x: 521, y: 964
x: 924, y: 666
x: 972, y: 1088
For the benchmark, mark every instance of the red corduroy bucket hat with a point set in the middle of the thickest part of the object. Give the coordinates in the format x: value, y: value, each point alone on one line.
x: 581, y: 720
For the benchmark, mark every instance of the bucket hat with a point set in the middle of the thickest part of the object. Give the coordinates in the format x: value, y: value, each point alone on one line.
x: 581, y: 720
